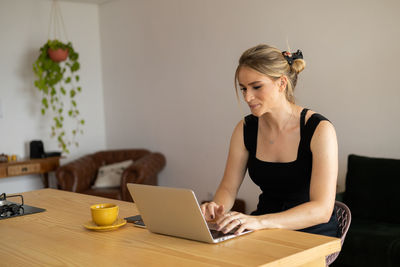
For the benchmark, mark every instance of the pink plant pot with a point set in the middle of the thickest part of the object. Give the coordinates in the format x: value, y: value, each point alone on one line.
x: 58, y: 55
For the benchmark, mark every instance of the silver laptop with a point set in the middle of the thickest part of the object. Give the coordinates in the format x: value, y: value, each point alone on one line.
x: 174, y: 212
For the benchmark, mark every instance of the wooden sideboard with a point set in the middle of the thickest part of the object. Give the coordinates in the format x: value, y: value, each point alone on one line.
x: 30, y: 166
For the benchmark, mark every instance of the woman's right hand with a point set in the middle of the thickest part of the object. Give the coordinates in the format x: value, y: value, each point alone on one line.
x: 212, y: 210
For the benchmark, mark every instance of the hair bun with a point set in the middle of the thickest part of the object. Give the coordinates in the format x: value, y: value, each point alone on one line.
x: 298, y: 65
x: 295, y: 60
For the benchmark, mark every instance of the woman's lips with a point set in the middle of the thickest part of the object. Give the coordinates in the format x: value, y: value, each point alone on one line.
x: 254, y: 106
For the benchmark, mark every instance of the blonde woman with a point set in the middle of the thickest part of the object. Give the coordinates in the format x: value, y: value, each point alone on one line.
x: 289, y: 151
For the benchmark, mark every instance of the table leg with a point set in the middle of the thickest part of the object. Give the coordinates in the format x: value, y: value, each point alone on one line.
x: 45, y: 180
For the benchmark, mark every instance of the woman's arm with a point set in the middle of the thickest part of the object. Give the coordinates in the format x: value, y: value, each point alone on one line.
x: 235, y: 170
x: 322, y: 191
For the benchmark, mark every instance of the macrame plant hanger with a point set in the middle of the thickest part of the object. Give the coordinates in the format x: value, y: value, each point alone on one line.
x: 56, y: 23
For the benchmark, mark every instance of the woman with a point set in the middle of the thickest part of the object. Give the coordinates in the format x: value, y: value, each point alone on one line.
x: 290, y: 152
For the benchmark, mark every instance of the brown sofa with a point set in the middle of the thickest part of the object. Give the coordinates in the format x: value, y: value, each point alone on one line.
x: 80, y: 174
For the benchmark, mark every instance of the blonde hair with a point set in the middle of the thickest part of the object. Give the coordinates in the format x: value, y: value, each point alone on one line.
x: 270, y: 61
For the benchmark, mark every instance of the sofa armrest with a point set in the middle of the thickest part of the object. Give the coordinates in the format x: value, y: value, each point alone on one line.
x: 142, y: 171
x: 77, y: 175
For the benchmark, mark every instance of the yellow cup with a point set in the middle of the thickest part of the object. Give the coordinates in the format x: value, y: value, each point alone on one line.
x: 104, y: 214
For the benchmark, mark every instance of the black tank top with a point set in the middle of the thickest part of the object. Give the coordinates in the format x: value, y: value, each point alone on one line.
x: 285, y: 185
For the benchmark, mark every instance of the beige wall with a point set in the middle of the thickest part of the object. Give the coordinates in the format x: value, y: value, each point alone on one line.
x: 23, y: 30
x: 168, y: 76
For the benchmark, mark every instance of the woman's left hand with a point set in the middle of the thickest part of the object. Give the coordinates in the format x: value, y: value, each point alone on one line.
x: 233, y: 219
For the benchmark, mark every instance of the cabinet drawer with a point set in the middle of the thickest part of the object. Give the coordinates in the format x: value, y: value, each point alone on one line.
x: 23, y: 169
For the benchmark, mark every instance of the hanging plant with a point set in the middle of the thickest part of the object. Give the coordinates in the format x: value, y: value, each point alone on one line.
x: 56, y: 80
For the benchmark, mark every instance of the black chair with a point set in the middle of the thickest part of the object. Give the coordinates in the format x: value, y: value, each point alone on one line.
x: 343, y: 215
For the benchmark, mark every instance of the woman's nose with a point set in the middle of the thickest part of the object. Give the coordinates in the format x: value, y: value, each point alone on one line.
x: 248, y: 96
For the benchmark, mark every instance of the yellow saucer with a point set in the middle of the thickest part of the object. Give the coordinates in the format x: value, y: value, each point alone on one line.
x: 117, y: 224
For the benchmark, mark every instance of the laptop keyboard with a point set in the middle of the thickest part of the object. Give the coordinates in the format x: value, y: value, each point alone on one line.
x: 218, y: 234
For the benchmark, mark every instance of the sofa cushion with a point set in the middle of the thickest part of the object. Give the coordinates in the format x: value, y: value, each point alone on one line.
x: 394, y: 253
x: 371, y: 244
x: 372, y: 188
x: 110, y: 175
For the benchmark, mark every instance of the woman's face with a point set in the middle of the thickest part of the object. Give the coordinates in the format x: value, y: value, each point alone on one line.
x: 260, y: 92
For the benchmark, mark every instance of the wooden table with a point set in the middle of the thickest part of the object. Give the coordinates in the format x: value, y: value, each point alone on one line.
x: 30, y: 166
x: 57, y: 237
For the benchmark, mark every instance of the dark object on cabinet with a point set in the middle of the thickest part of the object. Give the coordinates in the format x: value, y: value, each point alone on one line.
x: 36, y: 149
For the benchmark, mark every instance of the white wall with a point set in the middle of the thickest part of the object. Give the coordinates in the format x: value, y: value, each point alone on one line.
x: 23, y: 30
x: 169, y: 65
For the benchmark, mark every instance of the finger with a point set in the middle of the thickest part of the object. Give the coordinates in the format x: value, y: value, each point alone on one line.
x: 224, y: 221
x: 203, y: 209
x: 221, y: 218
x: 240, y: 229
x: 219, y: 211
x: 210, y: 211
x: 233, y: 224
x: 232, y: 214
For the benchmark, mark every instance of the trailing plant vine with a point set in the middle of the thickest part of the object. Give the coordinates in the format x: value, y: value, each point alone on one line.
x: 56, y: 81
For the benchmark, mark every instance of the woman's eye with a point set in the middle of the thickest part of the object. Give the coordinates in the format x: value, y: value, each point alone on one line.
x: 243, y: 89
x: 257, y: 87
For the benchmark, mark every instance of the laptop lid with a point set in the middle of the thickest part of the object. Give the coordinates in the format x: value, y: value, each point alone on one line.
x: 171, y: 211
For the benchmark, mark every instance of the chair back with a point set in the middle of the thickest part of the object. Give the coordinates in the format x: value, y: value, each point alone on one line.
x: 343, y: 216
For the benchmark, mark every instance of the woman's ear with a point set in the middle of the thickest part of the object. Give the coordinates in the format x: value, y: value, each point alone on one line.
x: 283, y: 83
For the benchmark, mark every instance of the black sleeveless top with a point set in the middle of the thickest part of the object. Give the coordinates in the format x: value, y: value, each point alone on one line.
x: 285, y: 185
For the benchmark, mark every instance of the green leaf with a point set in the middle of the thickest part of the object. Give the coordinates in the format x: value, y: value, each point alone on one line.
x: 79, y: 89
x: 75, y: 66
x: 77, y: 78
x: 44, y: 102
x: 58, y: 123
x: 82, y: 122
x: 62, y: 90
x: 72, y: 93
x: 73, y: 103
x: 68, y: 80
x: 73, y: 55
x: 45, y: 89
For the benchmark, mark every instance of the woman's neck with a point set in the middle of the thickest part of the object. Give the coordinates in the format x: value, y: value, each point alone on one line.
x: 279, y: 118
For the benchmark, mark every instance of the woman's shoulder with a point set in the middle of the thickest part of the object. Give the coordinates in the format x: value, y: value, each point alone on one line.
x: 319, y: 126
x: 315, y: 117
